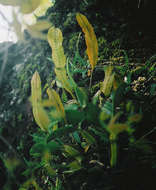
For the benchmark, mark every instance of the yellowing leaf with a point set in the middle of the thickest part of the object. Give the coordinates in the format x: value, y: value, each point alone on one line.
x: 115, y: 128
x: 47, y: 103
x: 86, y: 148
x: 108, y: 81
x: 90, y: 38
x: 40, y: 115
x: 135, y: 118
x: 36, y: 93
x: 55, y: 40
x: 56, y: 101
x: 117, y: 81
x: 63, y: 79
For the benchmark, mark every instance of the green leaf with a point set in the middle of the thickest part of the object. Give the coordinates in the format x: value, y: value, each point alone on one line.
x: 61, y: 132
x: 37, y: 149
x: 108, y: 108
x: 74, y: 116
x: 53, y: 147
x: 81, y: 96
x: 92, y: 114
x: 102, y: 134
x: 76, y: 137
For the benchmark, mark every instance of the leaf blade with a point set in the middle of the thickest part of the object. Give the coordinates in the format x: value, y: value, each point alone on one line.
x: 90, y: 38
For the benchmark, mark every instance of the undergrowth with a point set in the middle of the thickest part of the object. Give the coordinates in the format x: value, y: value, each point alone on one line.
x: 92, y: 127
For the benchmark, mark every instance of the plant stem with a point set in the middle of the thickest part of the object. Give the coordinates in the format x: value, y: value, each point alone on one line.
x: 91, y: 77
x: 113, y: 160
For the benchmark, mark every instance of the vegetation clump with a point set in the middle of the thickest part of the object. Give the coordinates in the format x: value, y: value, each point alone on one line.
x: 74, y: 118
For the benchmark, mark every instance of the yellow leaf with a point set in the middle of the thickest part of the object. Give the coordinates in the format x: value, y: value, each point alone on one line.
x: 135, y: 118
x: 55, y: 40
x: 90, y: 38
x: 62, y: 77
x: 115, y: 128
x: 36, y: 92
x: 40, y: 115
x: 108, y: 81
x: 56, y: 101
x: 117, y: 81
x: 86, y: 148
x: 47, y: 103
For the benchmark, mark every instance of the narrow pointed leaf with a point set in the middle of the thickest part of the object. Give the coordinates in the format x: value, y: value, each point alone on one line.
x: 36, y: 93
x: 90, y: 38
x: 40, y: 115
x: 81, y: 96
x: 56, y: 101
x: 55, y: 40
x: 108, y: 81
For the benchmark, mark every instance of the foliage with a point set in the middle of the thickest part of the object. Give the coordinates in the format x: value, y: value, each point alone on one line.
x: 84, y: 131
x: 90, y: 37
